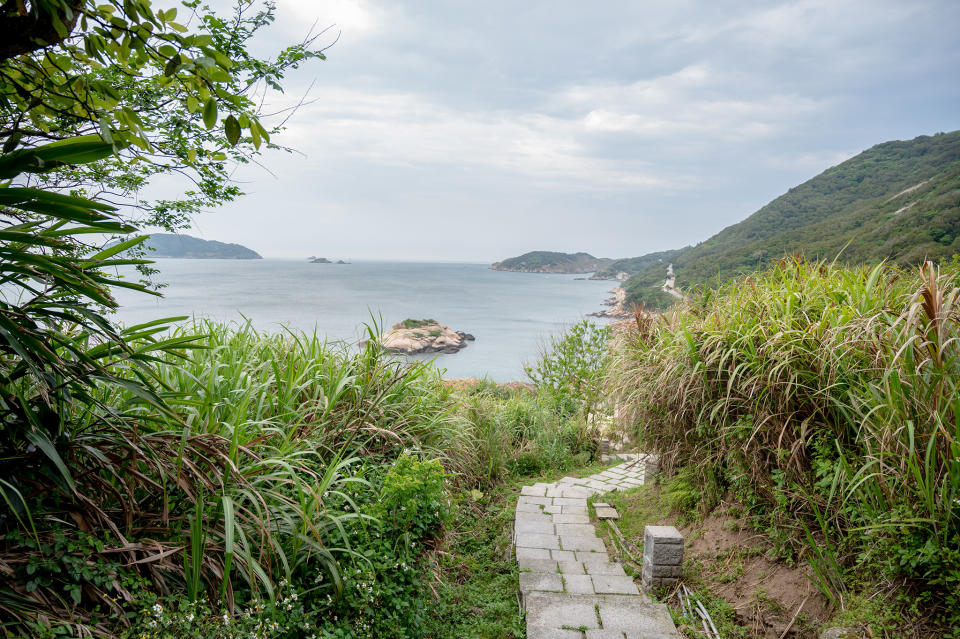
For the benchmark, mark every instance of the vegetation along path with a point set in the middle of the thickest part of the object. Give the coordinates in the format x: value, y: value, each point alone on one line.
x: 570, y: 587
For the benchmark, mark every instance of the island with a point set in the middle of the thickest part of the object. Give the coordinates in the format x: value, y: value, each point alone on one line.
x: 415, y: 337
x: 170, y: 245
x: 553, y: 262
x: 322, y: 260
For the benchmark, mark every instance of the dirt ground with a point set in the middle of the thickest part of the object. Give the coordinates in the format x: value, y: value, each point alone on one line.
x: 767, y: 594
x: 722, y: 555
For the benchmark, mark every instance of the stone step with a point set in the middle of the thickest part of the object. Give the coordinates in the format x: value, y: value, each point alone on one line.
x: 548, y: 614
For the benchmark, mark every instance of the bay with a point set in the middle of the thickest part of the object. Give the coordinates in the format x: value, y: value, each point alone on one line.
x: 510, y: 314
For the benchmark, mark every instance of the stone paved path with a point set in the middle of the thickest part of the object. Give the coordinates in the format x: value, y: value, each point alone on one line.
x: 570, y: 587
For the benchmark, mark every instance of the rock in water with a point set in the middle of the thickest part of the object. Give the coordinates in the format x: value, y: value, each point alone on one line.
x: 414, y: 337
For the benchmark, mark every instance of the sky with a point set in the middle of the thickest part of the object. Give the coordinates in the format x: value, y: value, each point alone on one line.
x: 476, y: 131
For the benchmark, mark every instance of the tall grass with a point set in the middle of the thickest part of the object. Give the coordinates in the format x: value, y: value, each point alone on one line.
x: 828, y: 399
x: 221, y: 494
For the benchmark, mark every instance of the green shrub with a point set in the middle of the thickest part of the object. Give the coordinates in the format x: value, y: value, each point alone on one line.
x: 826, y: 399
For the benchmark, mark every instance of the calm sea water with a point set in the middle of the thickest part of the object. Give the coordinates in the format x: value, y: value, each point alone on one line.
x: 511, y: 314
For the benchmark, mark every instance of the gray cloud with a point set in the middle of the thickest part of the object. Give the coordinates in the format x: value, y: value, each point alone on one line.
x: 475, y: 131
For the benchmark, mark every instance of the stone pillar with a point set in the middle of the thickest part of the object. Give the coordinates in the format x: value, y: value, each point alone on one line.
x: 662, y: 557
x: 651, y: 468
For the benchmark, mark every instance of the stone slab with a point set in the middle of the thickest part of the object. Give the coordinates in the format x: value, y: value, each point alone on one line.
x: 615, y: 585
x: 533, y: 491
x: 604, y: 568
x: 547, y: 610
x: 578, y: 584
x: 532, y: 553
x: 537, y: 565
x: 571, y: 567
x: 541, y: 527
x: 562, y: 555
x: 584, y: 530
x: 547, y: 632
x: 570, y: 519
x: 579, y: 542
x: 537, y: 540
x: 638, y: 616
x: 607, y: 513
x: 541, y: 582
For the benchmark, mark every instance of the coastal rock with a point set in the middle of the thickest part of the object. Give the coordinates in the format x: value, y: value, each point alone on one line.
x: 320, y: 260
x: 414, y: 337
x: 617, y: 303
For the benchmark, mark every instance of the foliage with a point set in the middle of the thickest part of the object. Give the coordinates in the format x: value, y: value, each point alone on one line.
x: 634, y: 265
x: 825, y: 399
x: 552, y: 262
x: 502, y: 432
x: 898, y: 201
x: 574, y: 364
x: 415, y: 323
x: 150, y: 86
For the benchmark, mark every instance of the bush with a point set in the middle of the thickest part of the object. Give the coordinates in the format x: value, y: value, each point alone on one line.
x: 826, y: 399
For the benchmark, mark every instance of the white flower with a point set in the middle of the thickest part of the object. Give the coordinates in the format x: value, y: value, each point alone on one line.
x: 157, y: 609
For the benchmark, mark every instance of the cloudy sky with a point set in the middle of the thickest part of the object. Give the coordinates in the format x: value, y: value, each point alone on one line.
x: 474, y: 131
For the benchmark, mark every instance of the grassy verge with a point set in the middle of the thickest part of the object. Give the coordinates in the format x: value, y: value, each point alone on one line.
x: 825, y: 401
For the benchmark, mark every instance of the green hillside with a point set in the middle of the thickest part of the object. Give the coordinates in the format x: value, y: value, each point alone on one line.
x: 634, y: 265
x: 186, y: 246
x: 552, y: 262
x: 898, y: 201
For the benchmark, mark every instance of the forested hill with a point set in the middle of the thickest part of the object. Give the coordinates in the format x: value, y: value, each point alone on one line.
x: 897, y: 201
x: 552, y: 262
x: 185, y: 246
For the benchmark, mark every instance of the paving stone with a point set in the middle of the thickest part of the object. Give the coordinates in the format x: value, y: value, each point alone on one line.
x: 535, y: 540
x: 570, y: 501
x: 570, y: 567
x: 554, y: 492
x: 540, y: 581
x: 553, y: 509
x: 533, y: 491
x: 603, y: 568
x: 614, y: 584
x: 607, y: 513
x: 601, y: 504
x: 605, y: 634
x: 542, y: 527
x: 562, y: 555
x: 576, y: 492
x: 532, y: 553
x: 578, y: 542
x: 592, y: 557
x: 568, y: 480
x: 585, y: 530
x: 578, y: 584
x: 541, y: 501
x: 639, y: 617
x: 547, y: 632
x: 570, y: 510
x: 548, y: 610
x: 531, y: 508
x: 570, y: 519
x: 537, y: 565
x: 539, y: 517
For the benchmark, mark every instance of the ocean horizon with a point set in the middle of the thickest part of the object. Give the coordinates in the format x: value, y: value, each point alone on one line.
x: 512, y: 315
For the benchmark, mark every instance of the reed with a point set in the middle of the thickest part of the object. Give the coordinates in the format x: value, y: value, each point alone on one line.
x: 827, y: 399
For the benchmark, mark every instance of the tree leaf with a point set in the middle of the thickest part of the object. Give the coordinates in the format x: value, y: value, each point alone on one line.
x: 232, y: 128
x: 210, y: 113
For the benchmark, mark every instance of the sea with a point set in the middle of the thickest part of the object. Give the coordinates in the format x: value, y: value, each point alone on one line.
x: 512, y: 315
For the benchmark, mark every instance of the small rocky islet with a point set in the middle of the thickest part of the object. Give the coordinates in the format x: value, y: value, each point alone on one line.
x: 416, y: 337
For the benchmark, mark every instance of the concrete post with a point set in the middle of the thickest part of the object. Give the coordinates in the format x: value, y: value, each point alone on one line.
x: 662, y: 557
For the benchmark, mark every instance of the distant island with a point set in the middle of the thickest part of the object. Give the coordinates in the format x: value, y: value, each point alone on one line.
x: 322, y: 260
x: 416, y: 336
x: 188, y: 247
x: 553, y: 262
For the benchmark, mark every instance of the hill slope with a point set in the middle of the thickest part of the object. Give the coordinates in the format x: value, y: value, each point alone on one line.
x: 552, y: 262
x: 185, y: 246
x: 897, y: 201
